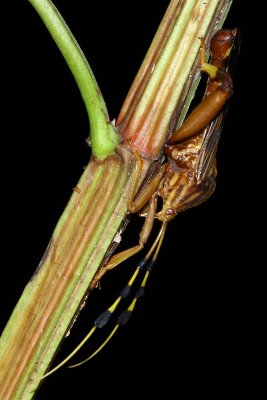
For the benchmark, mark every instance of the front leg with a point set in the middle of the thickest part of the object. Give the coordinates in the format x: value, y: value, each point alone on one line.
x: 219, y: 87
x: 125, y: 254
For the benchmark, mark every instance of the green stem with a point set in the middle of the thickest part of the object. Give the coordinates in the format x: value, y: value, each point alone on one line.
x: 103, y: 138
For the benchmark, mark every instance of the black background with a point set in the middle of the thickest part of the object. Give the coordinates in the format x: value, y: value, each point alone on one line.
x: 189, y: 335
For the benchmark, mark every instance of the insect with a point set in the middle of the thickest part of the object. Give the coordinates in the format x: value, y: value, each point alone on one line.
x: 186, y: 179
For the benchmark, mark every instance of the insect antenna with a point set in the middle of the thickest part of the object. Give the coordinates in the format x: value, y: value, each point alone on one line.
x: 104, y: 317
x: 126, y: 314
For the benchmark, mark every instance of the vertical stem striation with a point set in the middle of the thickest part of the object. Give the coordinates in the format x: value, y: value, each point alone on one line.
x: 150, y: 111
x: 52, y: 297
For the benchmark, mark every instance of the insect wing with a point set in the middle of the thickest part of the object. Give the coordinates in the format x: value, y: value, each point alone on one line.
x: 207, y: 155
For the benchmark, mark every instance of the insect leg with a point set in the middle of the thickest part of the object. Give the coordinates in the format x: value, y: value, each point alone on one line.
x: 125, y: 254
x: 147, y: 195
x: 219, y: 87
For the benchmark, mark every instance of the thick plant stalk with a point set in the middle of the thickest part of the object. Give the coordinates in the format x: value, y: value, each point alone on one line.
x: 160, y: 88
x: 52, y: 298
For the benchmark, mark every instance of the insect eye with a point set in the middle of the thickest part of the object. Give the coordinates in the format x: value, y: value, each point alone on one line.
x: 169, y: 211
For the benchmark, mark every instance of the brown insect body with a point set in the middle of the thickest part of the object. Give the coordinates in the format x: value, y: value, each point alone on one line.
x: 188, y: 177
x: 183, y: 185
x: 180, y: 191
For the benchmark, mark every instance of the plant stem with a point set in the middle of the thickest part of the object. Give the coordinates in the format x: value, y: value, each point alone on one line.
x: 103, y: 137
x: 51, y: 299
x: 158, y: 95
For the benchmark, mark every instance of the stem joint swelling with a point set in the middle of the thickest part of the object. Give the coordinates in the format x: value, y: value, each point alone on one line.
x: 103, y: 136
x: 104, y: 141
